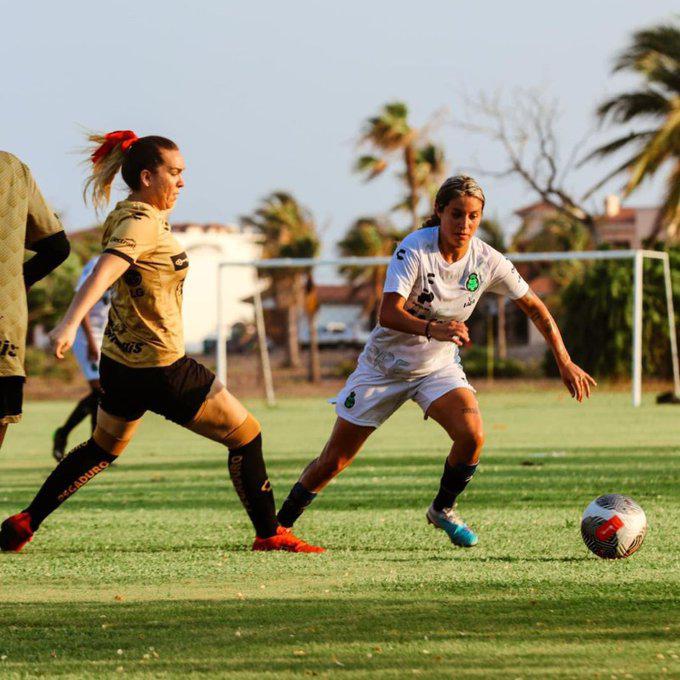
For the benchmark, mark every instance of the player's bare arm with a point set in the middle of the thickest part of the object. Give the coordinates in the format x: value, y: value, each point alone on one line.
x: 108, y: 270
x: 578, y: 382
x: 394, y: 316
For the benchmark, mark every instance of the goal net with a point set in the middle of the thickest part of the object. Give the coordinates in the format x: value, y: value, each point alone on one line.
x: 271, y: 267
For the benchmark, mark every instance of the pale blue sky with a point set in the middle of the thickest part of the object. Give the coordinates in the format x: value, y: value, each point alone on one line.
x: 271, y: 95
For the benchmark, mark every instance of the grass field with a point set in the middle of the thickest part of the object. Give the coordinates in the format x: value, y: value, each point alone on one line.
x: 146, y: 571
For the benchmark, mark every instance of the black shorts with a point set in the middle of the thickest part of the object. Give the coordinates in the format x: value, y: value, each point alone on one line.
x: 11, y: 398
x: 176, y: 391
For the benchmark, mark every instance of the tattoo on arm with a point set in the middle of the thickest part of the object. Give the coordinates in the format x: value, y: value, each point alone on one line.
x: 543, y: 321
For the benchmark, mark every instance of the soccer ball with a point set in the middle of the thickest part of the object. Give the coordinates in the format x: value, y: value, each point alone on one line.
x: 613, y: 526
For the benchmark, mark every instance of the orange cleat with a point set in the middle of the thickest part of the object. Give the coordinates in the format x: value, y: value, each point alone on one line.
x: 15, y: 532
x: 285, y: 539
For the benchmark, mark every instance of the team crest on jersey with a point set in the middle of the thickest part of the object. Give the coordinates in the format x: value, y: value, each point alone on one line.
x: 472, y: 283
x: 351, y: 399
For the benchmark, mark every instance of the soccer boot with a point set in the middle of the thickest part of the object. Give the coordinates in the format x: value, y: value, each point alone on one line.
x: 448, y: 520
x: 285, y: 539
x: 59, y: 440
x: 15, y: 532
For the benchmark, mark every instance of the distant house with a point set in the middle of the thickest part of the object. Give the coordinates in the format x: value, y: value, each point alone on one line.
x: 206, y: 245
x: 617, y: 226
x: 341, y: 318
x: 626, y: 227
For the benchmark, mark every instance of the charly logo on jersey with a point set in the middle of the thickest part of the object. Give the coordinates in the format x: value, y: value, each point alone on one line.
x: 180, y: 261
x: 472, y: 282
x: 122, y: 241
x: 351, y: 399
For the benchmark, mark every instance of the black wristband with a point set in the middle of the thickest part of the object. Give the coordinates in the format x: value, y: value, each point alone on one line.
x: 428, y: 335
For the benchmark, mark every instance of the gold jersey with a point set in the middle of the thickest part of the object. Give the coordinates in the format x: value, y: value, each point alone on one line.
x: 145, y: 319
x: 25, y: 218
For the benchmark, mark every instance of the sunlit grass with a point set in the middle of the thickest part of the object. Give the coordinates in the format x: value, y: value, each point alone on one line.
x: 147, y: 571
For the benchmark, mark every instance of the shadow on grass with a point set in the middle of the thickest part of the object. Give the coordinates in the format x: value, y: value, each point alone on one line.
x: 380, y: 635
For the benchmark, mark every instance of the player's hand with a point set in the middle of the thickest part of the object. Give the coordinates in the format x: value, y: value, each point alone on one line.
x: 578, y: 382
x: 62, y: 338
x: 450, y: 331
x: 93, y: 353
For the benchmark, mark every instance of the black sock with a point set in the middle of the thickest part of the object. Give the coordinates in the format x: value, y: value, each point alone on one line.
x: 296, y: 503
x: 453, y: 482
x: 77, y: 468
x: 80, y: 412
x: 249, y: 477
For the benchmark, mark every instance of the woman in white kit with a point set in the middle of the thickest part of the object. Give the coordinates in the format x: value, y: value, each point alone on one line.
x: 87, y: 350
x: 434, y: 280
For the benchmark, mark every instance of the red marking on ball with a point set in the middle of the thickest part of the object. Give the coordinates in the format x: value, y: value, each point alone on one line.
x: 607, y: 529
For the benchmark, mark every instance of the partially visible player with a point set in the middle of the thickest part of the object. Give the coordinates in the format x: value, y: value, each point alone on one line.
x: 434, y: 281
x: 143, y: 365
x: 26, y: 223
x: 86, y: 349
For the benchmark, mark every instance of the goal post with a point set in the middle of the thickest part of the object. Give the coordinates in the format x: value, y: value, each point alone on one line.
x: 636, y: 257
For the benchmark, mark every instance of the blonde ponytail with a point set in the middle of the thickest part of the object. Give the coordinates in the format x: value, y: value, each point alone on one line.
x: 106, y: 153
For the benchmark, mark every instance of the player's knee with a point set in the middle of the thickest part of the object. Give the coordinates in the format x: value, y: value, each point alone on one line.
x: 113, y: 434
x: 243, y: 434
x: 472, y: 441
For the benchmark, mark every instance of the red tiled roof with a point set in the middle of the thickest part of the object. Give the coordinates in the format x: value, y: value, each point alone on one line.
x: 624, y: 215
x: 539, y: 206
x: 342, y: 294
x: 542, y: 285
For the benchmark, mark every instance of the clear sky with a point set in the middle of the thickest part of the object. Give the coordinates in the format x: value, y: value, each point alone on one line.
x: 271, y: 95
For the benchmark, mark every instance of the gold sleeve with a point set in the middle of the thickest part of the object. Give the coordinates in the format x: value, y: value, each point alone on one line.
x: 41, y: 221
x: 133, y: 237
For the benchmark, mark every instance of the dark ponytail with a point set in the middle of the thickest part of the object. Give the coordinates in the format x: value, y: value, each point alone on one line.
x: 432, y: 221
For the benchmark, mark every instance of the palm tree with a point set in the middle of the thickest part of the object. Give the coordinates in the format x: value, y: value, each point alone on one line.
x: 390, y: 134
x: 288, y: 230
x: 654, y: 54
x: 369, y: 237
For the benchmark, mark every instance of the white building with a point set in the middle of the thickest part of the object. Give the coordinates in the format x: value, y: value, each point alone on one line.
x: 206, y: 245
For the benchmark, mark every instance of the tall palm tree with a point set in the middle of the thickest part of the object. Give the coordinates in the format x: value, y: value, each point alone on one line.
x: 391, y: 134
x: 654, y: 54
x: 369, y: 237
x: 288, y: 230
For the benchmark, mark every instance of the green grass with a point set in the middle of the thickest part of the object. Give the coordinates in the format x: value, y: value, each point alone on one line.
x: 147, y: 572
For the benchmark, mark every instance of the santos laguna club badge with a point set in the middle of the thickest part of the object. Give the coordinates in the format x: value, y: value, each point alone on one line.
x: 472, y: 283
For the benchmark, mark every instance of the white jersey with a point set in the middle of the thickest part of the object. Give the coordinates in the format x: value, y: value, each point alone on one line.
x: 99, y: 314
x: 435, y: 289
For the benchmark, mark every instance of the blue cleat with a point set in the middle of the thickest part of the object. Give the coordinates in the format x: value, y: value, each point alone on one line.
x: 448, y: 520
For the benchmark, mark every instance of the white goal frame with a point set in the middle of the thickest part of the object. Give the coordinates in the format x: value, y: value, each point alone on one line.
x: 636, y: 256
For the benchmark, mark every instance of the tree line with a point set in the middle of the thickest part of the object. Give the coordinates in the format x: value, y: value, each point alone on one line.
x: 526, y: 132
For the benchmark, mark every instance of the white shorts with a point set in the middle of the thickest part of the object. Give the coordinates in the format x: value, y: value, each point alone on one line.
x: 89, y: 368
x: 369, y: 398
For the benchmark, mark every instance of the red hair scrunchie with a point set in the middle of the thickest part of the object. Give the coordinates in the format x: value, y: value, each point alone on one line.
x: 126, y: 138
